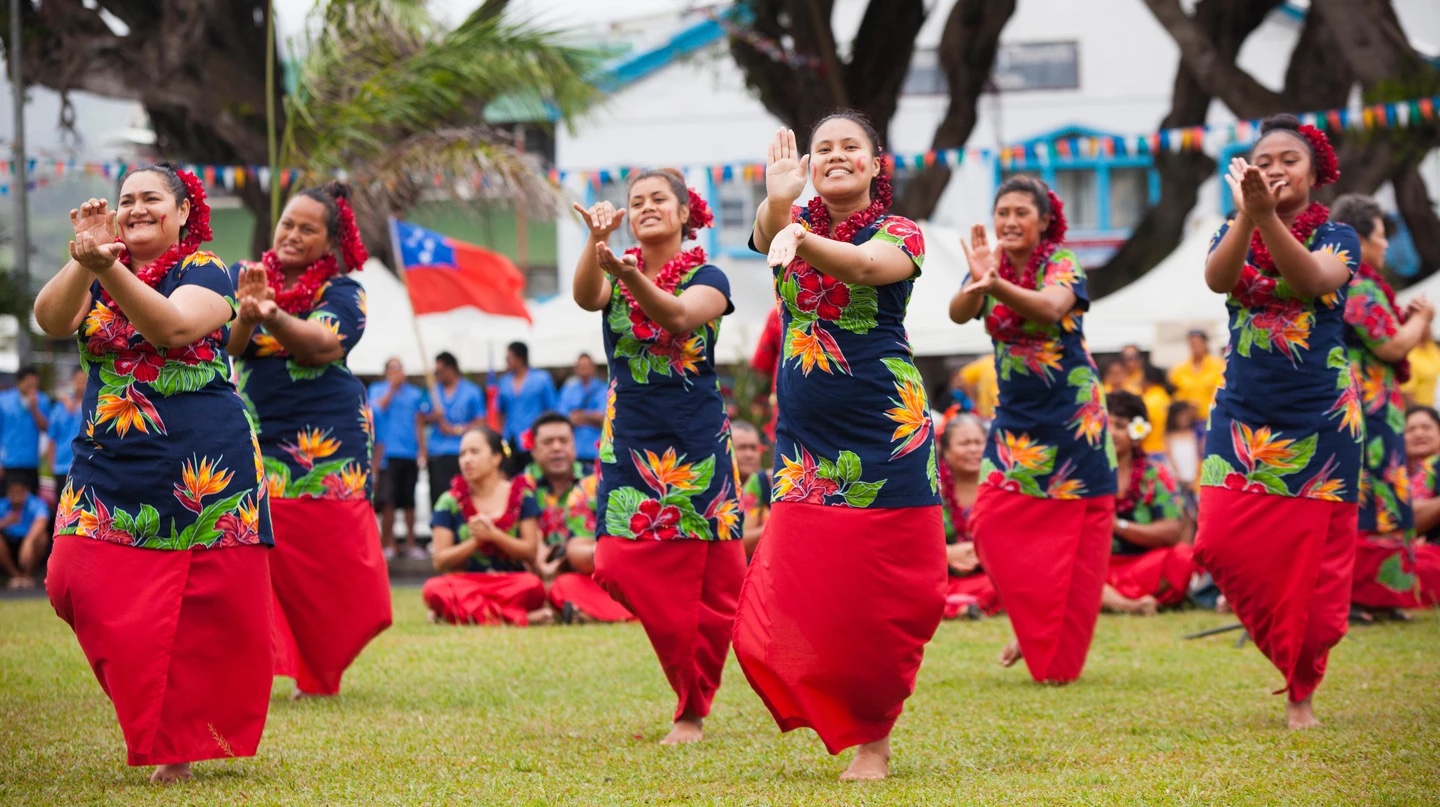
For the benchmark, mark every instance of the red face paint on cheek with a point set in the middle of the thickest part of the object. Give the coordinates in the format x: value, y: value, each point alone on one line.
x: 859, y: 165
x: 163, y: 218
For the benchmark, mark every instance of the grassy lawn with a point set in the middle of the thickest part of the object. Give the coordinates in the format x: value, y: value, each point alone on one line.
x: 435, y: 714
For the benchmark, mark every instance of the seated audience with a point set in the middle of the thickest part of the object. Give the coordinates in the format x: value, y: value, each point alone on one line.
x: 755, y: 482
x: 25, y: 524
x: 969, y: 591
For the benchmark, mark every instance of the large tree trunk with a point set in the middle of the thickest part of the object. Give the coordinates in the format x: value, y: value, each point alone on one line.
x: 1221, y: 27
x: 196, y: 66
x: 967, y: 57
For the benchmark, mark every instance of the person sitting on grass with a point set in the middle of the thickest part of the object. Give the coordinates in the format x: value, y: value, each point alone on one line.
x: 1149, y: 566
x: 25, y: 523
x: 567, y: 519
x: 484, y: 531
x: 969, y: 592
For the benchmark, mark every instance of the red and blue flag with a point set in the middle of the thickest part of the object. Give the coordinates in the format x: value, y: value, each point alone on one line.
x: 443, y: 274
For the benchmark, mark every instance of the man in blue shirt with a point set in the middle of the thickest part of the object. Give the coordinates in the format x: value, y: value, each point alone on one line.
x: 525, y: 394
x: 65, y: 416
x: 23, y: 418
x: 399, y: 408
x: 582, y: 399
x: 25, y: 525
x: 461, y: 406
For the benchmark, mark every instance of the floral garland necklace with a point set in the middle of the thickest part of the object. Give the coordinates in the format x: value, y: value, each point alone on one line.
x: 669, y: 278
x: 1303, y: 228
x: 952, y: 504
x: 153, y: 272
x: 845, y: 233
x: 1043, y: 251
x: 301, y: 296
x: 460, y: 489
x: 1125, y: 504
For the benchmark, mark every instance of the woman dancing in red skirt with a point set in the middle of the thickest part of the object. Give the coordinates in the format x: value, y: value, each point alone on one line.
x: 1281, y: 473
x: 159, y: 563
x: 300, y: 316
x: 1047, y: 500
x: 849, y: 582
x: 668, y: 507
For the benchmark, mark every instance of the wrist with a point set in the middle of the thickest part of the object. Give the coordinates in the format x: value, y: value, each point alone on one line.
x: 1122, y: 524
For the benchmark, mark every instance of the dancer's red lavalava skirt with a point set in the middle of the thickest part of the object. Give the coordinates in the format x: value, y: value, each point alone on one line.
x: 684, y: 593
x: 180, y: 641
x: 1393, y: 573
x: 1284, y: 565
x: 1048, y: 558
x: 484, y: 598
x: 837, y: 607
x: 332, y: 588
x: 1163, y: 573
x: 586, y: 595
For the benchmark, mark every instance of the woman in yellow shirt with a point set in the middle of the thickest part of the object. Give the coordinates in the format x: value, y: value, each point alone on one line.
x: 1424, y: 361
x: 1196, y: 380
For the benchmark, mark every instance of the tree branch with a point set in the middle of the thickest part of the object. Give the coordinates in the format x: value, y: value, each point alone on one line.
x: 1209, y: 65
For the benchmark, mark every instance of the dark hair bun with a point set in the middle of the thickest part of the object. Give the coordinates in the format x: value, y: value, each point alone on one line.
x: 1284, y: 121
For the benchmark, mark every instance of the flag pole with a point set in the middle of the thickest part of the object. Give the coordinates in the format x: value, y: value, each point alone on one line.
x: 425, y: 365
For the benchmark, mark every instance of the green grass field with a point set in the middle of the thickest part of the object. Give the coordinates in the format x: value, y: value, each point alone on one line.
x: 571, y: 715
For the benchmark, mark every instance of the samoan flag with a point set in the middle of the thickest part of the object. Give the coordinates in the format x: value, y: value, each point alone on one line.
x: 443, y: 274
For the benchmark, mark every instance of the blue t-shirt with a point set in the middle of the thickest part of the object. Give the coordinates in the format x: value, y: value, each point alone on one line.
x: 64, y: 428
x: 19, y: 434
x: 522, y: 407
x: 395, y: 424
x: 577, y: 396
x: 462, y: 406
x: 33, y: 508
x: 1289, y: 419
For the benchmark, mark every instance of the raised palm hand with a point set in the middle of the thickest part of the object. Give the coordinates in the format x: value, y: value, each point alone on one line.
x: 786, y: 170
x: 602, y: 219
x: 1252, y: 195
x: 984, y: 266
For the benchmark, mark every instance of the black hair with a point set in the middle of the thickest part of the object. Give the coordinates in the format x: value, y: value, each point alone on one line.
x: 1289, y: 124
x: 548, y: 418
x: 25, y: 372
x: 510, y: 462
x: 170, y: 172
x: 1172, y: 415
x: 670, y: 175
x: 954, y: 425
x: 1026, y: 183
x: 859, y: 119
x: 584, y: 355
x: 1122, y: 404
x: 1428, y: 411
x: 326, y: 195
x: 1360, y: 212
x: 1154, y: 375
x: 521, y: 351
x: 448, y: 359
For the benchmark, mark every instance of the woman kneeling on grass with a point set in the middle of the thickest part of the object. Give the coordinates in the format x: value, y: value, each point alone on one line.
x: 484, y: 529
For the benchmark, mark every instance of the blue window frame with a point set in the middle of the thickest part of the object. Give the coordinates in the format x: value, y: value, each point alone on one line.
x: 1228, y: 153
x: 1105, y: 196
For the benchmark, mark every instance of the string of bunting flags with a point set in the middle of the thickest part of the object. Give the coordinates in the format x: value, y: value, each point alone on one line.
x: 1394, y: 115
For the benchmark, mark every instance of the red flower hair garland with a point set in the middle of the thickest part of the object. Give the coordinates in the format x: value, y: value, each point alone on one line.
x: 1327, y: 167
x: 700, y: 215
x: 352, y: 248
x: 197, y: 232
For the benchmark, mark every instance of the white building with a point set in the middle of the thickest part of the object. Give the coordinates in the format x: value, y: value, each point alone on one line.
x: 1109, y: 64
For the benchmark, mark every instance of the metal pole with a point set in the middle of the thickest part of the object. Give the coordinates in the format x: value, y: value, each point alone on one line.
x: 21, y: 174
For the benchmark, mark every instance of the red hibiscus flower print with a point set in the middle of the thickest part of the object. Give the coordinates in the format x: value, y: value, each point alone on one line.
x: 1254, y: 290
x: 909, y: 235
x: 1237, y: 481
x: 656, y: 522
x: 1360, y: 312
x: 110, y: 339
x: 821, y: 294
x: 193, y: 354
x: 643, y: 328
x: 801, y: 481
x: 100, y: 525
x: 1004, y: 323
x: 142, y: 366
x: 997, y: 479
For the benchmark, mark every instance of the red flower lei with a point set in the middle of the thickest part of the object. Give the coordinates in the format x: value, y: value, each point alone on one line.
x: 952, y: 504
x: 1042, y: 254
x: 460, y: 489
x: 1304, y: 227
x: 667, y: 280
x: 1125, y: 505
x: 301, y: 296
x: 845, y: 233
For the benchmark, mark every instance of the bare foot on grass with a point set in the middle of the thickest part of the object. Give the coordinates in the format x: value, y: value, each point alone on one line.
x: 165, y: 774
x: 686, y: 730
x: 871, y: 763
x: 1301, y: 715
x: 1010, y: 654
